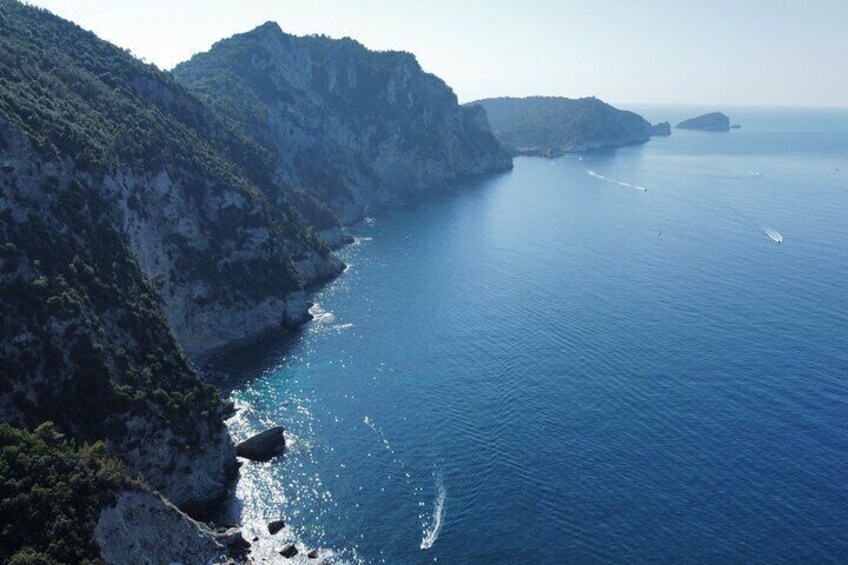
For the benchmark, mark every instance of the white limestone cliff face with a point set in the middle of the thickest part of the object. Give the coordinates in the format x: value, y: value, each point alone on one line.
x: 192, y: 467
x: 163, y: 227
x: 142, y: 528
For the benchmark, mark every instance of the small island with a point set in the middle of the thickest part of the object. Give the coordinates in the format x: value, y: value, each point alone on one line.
x: 714, y: 121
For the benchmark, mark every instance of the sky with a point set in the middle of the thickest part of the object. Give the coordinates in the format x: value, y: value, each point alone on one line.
x: 718, y: 52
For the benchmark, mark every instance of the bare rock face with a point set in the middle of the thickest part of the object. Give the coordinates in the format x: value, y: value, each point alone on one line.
x: 264, y: 446
x: 142, y: 528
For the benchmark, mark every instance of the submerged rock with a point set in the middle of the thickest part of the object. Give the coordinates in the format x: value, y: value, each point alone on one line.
x: 289, y: 552
x: 264, y: 446
x: 276, y: 526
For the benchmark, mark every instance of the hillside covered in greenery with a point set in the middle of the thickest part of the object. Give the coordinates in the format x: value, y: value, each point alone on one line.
x: 551, y: 126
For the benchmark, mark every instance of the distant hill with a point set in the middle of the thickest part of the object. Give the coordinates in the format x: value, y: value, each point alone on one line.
x: 714, y: 121
x: 551, y: 126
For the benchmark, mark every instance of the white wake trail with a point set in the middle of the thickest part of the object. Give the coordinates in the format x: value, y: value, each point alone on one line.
x: 431, y: 532
x: 614, y: 181
x: 774, y: 235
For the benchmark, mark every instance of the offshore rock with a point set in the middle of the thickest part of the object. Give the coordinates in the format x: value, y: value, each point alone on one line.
x: 289, y: 552
x: 275, y: 526
x: 264, y: 446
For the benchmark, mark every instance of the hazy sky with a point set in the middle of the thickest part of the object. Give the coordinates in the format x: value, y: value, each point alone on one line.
x: 718, y: 52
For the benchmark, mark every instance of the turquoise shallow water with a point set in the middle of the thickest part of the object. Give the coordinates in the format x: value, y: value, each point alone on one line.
x: 555, y: 365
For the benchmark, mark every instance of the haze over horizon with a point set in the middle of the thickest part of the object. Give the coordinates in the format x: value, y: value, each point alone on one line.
x: 757, y: 53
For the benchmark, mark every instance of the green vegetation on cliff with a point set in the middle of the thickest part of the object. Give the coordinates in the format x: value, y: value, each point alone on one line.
x: 551, y: 126
x: 123, y: 199
x: 51, y: 495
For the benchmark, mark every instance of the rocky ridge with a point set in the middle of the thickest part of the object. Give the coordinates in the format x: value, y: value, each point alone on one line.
x: 355, y: 128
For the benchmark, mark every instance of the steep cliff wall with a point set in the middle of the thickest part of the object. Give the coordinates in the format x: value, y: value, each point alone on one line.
x: 356, y: 128
x: 135, y: 226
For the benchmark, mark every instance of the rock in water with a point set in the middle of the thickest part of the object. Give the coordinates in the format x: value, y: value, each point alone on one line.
x: 662, y: 128
x: 289, y: 552
x: 313, y: 554
x: 263, y: 446
x: 715, y: 121
x: 276, y: 526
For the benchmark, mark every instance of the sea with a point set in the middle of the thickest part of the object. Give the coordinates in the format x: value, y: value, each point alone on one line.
x: 636, y: 355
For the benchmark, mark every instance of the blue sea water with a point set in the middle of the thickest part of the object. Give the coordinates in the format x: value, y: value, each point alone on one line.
x: 595, y: 359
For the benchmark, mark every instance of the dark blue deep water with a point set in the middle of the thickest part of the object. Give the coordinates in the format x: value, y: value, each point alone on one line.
x: 557, y: 366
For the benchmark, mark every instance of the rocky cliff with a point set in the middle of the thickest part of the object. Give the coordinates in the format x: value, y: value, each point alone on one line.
x: 355, y: 128
x: 141, y: 227
x: 552, y: 126
x: 714, y: 121
x: 135, y: 227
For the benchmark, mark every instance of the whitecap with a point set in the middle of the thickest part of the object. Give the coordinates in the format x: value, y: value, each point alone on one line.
x: 321, y: 316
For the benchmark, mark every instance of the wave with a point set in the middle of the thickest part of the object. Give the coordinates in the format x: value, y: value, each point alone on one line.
x: 618, y: 182
x: 431, y: 532
x: 321, y: 316
x: 774, y: 235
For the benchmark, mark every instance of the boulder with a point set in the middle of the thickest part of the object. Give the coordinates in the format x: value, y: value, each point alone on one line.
x: 313, y: 554
x: 233, y: 538
x: 263, y: 446
x: 289, y: 552
x: 276, y: 526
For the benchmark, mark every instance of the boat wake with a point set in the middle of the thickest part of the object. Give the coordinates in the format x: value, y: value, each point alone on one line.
x: 618, y: 182
x: 431, y: 531
x: 774, y: 235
